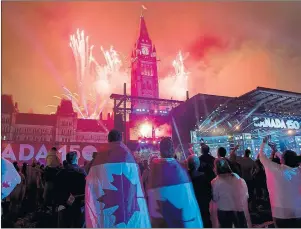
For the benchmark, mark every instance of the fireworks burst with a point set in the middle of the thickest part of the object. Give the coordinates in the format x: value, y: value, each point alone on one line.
x: 176, y: 84
x: 82, y: 53
x: 96, y: 81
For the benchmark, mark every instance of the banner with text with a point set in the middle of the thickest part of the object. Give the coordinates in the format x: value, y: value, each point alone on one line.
x: 38, y: 151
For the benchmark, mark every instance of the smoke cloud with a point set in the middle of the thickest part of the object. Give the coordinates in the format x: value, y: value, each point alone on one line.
x: 232, y: 47
x: 231, y: 58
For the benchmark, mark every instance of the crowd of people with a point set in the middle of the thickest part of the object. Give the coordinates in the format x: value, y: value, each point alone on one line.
x: 204, y: 191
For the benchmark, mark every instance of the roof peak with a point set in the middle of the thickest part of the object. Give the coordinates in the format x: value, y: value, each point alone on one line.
x: 143, y: 33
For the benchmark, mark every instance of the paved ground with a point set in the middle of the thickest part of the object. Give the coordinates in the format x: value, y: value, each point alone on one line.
x: 261, y: 218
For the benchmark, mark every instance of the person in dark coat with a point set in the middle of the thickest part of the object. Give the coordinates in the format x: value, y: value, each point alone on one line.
x: 260, y: 178
x: 70, y: 193
x: 49, y: 188
x: 232, y: 161
x: 207, y: 162
x: 202, y: 188
x: 234, y: 165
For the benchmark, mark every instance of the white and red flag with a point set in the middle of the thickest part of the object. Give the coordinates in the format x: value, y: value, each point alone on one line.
x: 114, y: 196
x: 171, y: 198
x: 10, y: 178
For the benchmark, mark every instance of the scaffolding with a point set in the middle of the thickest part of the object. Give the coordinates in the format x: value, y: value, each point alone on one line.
x: 123, y: 105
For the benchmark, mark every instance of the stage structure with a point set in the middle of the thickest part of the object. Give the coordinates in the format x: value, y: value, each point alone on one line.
x: 125, y: 114
x: 244, y: 120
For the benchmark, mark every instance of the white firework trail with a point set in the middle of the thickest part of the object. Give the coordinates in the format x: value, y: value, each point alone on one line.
x: 82, y: 53
x: 176, y: 84
x: 112, y: 59
x: 96, y: 81
x: 179, y: 67
x: 110, y: 76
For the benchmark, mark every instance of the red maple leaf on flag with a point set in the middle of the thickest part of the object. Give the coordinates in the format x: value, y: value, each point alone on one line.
x: 172, y: 215
x: 5, y: 184
x: 125, y: 197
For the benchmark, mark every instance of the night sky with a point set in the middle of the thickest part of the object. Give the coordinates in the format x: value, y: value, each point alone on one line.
x: 231, y: 48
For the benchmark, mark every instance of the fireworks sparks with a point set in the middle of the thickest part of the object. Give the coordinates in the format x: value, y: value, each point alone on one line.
x: 96, y: 82
x: 82, y: 53
x: 176, y: 84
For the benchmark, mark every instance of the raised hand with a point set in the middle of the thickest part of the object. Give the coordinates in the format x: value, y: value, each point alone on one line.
x: 273, y: 146
x: 265, y: 139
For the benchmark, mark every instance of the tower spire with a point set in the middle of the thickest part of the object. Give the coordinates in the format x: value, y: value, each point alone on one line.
x: 143, y: 30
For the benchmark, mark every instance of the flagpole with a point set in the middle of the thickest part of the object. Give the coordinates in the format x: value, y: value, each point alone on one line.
x: 143, y: 8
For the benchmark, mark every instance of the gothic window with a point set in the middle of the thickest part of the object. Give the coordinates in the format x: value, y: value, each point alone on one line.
x: 143, y: 71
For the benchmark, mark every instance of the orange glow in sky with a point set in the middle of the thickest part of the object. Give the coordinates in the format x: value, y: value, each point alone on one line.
x: 230, y: 48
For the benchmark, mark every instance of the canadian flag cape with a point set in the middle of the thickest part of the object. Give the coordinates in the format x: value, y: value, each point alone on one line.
x: 114, y: 195
x: 171, y: 198
x: 10, y: 178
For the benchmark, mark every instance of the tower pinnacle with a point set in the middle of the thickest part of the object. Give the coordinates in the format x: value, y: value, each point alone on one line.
x: 144, y: 74
x: 143, y: 33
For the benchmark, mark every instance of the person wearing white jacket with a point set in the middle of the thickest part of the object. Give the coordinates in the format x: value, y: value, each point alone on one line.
x: 284, y: 186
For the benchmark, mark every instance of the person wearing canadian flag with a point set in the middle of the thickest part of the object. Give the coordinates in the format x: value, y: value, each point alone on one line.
x: 114, y: 195
x: 171, y: 198
x: 10, y: 178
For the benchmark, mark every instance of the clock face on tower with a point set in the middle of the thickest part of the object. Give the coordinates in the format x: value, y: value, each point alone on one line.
x: 145, y: 50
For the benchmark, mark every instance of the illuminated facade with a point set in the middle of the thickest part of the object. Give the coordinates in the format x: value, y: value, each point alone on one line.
x: 149, y: 114
x: 144, y: 74
x: 62, y: 127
